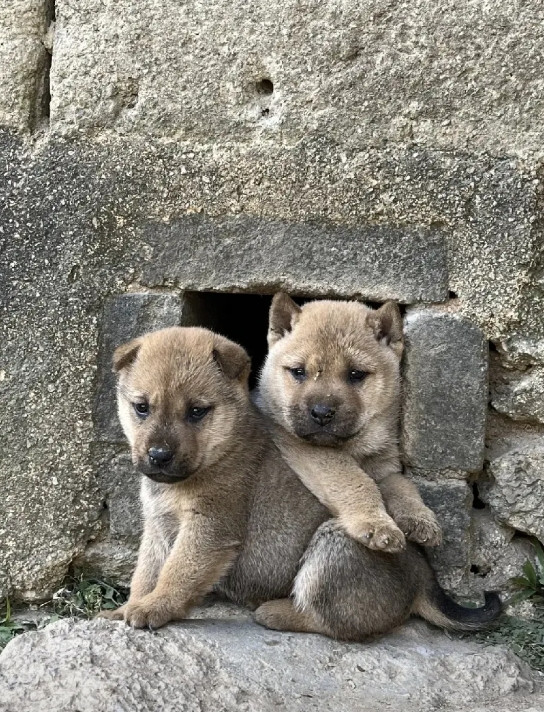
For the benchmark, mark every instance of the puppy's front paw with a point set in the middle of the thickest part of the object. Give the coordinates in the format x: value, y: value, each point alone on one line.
x: 421, y: 527
x: 117, y: 615
x: 380, y: 533
x: 152, y: 612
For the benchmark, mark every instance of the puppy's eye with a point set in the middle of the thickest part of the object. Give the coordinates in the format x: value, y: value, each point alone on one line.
x: 356, y: 376
x: 298, y: 373
x: 142, y: 409
x: 195, y: 414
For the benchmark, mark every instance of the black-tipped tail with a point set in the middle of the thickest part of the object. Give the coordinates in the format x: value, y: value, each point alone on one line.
x: 440, y: 609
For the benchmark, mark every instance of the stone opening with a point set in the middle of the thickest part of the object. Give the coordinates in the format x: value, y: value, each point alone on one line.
x: 265, y: 86
x: 240, y: 317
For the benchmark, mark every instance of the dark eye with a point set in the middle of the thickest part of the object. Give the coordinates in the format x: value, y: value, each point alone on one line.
x: 142, y: 409
x: 196, y: 413
x: 298, y: 373
x: 356, y: 376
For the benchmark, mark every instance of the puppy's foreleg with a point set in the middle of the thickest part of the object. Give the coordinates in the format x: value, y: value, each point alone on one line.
x: 152, y: 554
x: 199, y: 558
x: 405, y: 505
x: 346, y: 490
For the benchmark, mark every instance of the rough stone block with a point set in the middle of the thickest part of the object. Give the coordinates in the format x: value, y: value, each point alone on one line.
x: 515, y: 492
x: 305, y: 258
x: 126, y: 317
x: 519, y: 395
x: 124, y: 499
x: 445, y: 391
x: 24, y: 62
x: 451, y: 502
x: 495, y: 555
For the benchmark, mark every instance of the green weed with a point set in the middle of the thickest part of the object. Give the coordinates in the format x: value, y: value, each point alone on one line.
x: 80, y: 598
x: 530, y: 586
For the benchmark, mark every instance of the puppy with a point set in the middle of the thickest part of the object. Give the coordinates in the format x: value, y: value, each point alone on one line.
x: 223, y: 510
x: 330, y: 386
x: 183, y: 405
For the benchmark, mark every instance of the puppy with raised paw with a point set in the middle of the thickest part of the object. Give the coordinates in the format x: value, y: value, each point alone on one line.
x: 330, y: 387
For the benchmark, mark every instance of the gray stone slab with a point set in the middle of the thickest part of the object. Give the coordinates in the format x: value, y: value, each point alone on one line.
x: 451, y: 501
x: 237, y: 252
x: 223, y: 661
x: 445, y: 391
x: 124, y: 318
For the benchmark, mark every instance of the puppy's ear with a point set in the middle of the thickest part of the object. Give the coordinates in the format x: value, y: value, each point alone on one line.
x: 125, y: 354
x: 232, y: 359
x: 386, y: 323
x: 284, y: 314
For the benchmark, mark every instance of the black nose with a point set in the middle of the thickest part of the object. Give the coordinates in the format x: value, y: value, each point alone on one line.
x: 322, y: 414
x: 160, y: 455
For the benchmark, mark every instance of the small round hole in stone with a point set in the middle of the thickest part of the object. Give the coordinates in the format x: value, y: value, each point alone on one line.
x: 265, y: 86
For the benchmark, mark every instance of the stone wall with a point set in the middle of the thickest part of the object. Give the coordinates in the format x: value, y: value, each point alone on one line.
x: 154, y: 151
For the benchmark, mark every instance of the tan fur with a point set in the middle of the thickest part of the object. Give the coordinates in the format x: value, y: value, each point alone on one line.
x: 230, y: 513
x: 351, y: 463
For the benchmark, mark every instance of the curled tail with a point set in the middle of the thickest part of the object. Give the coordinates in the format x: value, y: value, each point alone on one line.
x: 437, y: 607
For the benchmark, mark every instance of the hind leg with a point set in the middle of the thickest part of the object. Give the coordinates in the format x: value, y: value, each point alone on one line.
x: 282, y: 614
x: 349, y: 592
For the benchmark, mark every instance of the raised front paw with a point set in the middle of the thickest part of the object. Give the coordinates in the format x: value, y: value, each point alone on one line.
x: 421, y: 527
x: 380, y: 533
x: 151, y: 611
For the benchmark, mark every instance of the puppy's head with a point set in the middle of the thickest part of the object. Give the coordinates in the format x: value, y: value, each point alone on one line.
x: 182, y: 394
x: 332, y: 371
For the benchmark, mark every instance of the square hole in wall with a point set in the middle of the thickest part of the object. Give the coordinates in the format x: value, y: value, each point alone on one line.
x: 240, y: 317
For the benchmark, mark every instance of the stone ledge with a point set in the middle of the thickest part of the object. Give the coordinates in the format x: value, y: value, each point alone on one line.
x: 227, y: 662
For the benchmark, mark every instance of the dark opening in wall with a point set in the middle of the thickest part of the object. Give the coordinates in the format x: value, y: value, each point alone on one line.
x: 477, y: 502
x: 240, y: 317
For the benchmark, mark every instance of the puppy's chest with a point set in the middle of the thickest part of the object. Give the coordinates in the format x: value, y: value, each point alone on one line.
x: 167, y: 505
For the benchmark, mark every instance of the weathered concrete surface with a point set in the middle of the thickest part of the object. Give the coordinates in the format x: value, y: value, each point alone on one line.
x: 395, y: 134
x: 355, y: 260
x: 445, y: 391
x: 227, y: 662
x: 460, y: 76
x: 24, y: 62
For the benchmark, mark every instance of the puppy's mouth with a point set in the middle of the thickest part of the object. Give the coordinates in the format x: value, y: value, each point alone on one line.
x: 324, y: 438
x: 166, y: 477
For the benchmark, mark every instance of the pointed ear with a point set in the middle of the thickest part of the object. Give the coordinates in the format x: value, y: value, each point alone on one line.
x: 386, y: 323
x: 232, y: 359
x: 283, y: 316
x: 125, y: 354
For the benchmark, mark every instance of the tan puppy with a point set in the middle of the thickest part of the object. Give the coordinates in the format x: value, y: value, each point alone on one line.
x: 183, y: 405
x: 331, y: 386
x: 222, y: 509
